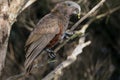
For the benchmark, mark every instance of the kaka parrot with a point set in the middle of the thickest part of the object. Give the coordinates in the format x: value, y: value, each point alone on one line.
x: 49, y: 30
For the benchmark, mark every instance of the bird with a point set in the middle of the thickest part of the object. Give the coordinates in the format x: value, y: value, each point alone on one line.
x: 49, y: 30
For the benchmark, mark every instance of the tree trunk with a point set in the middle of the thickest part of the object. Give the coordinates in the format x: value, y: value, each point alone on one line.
x: 8, y: 14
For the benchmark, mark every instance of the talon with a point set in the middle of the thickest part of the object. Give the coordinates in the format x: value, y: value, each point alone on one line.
x: 51, y: 53
x: 67, y: 34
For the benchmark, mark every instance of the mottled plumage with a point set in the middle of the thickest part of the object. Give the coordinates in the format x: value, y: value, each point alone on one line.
x: 49, y: 30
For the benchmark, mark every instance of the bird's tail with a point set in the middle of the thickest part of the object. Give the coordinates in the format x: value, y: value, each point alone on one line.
x: 33, y: 51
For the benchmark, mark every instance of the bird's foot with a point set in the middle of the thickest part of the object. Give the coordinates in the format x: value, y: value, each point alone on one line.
x: 67, y: 34
x: 51, y: 53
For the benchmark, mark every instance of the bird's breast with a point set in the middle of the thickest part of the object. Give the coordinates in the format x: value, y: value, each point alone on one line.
x: 57, y: 37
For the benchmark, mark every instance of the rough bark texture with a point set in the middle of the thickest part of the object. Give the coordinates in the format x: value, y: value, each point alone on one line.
x: 8, y: 14
x: 4, y: 33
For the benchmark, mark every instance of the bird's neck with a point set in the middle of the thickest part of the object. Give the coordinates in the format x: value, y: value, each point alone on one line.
x: 60, y: 13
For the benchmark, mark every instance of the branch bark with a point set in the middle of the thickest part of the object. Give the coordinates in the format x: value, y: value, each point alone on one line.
x: 8, y: 13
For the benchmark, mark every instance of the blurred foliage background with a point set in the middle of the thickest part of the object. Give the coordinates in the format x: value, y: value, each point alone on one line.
x: 99, y: 61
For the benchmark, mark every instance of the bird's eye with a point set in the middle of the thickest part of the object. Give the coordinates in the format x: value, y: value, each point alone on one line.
x: 68, y: 4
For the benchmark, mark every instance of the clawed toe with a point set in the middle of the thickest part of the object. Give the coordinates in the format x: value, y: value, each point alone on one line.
x: 67, y: 34
x: 51, y: 53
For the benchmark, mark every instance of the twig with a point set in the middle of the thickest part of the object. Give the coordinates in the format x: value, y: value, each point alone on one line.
x: 88, y: 14
x: 107, y: 13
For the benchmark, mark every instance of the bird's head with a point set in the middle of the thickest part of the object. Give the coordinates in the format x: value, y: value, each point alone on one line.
x: 67, y: 8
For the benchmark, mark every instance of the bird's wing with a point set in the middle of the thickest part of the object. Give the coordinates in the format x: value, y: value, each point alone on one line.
x: 39, y: 38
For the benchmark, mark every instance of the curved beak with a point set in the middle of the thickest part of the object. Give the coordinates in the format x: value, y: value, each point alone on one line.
x: 78, y: 12
x: 78, y: 15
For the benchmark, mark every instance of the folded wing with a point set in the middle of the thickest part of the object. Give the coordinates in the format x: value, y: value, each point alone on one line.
x: 40, y: 37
